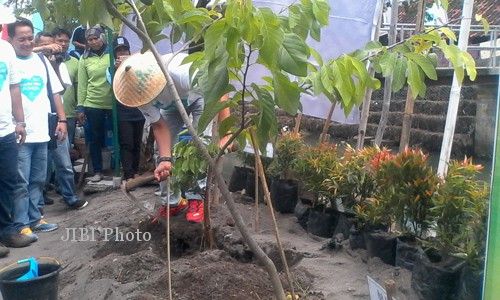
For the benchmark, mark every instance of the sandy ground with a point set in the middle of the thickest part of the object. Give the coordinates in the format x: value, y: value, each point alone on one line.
x: 113, y: 269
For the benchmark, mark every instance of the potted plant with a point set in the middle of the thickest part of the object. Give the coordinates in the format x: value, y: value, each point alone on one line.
x: 284, y: 189
x: 459, y: 215
x: 313, y: 167
x: 407, y: 183
x: 352, y: 182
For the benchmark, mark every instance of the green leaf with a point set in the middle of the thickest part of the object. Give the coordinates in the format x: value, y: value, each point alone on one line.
x: 196, y: 56
x: 444, y: 4
x: 194, y: 16
x: 484, y: 22
x: 415, y: 80
x: 387, y: 63
x: 209, y: 113
x: 321, y: 11
x: 226, y: 125
x: 317, y: 56
x: 266, y: 121
x: 286, y: 93
x: 470, y: 65
x: 175, y: 34
x: 449, y: 34
x: 293, y: 55
x: 424, y: 63
x: 315, y: 30
x: 399, y: 74
x: 213, y: 37
x: 234, y: 48
x: 273, y: 37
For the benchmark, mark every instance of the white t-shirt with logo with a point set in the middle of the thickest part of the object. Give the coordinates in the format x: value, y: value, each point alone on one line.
x: 8, y: 76
x: 182, y: 82
x: 36, y: 103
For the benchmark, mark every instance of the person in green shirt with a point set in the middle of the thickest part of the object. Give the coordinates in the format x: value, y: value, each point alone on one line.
x: 94, y: 95
x: 61, y: 38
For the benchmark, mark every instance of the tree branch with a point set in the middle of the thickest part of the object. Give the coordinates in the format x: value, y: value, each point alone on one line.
x: 245, y: 87
x: 232, y: 138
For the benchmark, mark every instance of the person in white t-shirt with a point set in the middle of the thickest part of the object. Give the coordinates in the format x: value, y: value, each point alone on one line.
x: 35, y: 72
x: 12, y: 127
x: 59, y: 160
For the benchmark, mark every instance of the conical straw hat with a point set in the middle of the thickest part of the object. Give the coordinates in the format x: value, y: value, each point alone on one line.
x: 138, y: 80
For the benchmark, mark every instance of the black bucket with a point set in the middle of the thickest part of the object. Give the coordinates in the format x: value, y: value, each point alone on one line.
x: 43, y: 287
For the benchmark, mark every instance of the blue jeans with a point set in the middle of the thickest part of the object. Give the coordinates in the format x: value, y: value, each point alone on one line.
x: 175, y: 124
x: 8, y: 182
x: 65, y: 177
x: 32, y: 170
x: 97, y: 127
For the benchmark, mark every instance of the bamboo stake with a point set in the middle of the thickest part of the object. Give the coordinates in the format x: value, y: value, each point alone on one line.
x: 456, y: 87
x: 365, y: 111
x: 322, y: 137
x: 169, y: 283
x: 267, y: 196
x: 298, y: 121
x: 384, y: 115
x: 207, y: 225
x: 410, y: 100
x: 256, y: 223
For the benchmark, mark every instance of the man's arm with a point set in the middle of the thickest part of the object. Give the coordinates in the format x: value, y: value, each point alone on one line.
x: 81, y: 91
x: 162, y: 138
x: 18, y: 112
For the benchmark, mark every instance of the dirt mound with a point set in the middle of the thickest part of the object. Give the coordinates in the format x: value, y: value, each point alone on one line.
x: 222, y: 277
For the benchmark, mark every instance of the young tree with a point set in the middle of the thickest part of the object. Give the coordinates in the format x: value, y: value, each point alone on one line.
x: 244, y: 37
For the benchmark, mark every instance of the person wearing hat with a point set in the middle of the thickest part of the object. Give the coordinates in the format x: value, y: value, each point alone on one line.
x: 12, y: 128
x: 130, y: 121
x: 140, y: 83
x: 94, y: 95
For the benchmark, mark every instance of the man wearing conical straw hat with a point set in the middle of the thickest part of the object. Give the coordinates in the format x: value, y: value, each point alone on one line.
x: 139, y: 82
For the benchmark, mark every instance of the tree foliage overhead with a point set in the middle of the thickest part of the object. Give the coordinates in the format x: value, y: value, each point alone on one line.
x: 239, y: 36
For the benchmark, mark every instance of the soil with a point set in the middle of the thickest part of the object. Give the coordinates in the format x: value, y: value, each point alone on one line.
x: 113, y: 269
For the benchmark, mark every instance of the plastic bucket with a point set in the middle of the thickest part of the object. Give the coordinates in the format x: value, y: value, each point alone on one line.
x: 43, y: 287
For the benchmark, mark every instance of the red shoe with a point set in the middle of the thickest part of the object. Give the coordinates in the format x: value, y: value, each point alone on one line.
x: 195, y: 212
x: 174, y: 210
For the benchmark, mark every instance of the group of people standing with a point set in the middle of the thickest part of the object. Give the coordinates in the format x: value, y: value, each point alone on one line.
x: 45, y: 94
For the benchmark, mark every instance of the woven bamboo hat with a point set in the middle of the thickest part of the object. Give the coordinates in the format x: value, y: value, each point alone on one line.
x: 138, y: 80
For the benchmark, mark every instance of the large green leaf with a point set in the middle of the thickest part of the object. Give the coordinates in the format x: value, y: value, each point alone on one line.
x: 214, y: 37
x: 415, y: 80
x: 266, y: 121
x: 286, y: 93
x: 424, y: 63
x: 209, y: 113
x: 293, y: 55
x: 321, y: 11
x: 272, y: 35
x: 387, y: 63
x: 399, y: 74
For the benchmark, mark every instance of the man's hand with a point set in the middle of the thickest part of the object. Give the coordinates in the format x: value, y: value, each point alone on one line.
x: 61, y: 131
x: 51, y: 48
x: 21, y: 133
x: 163, y: 170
